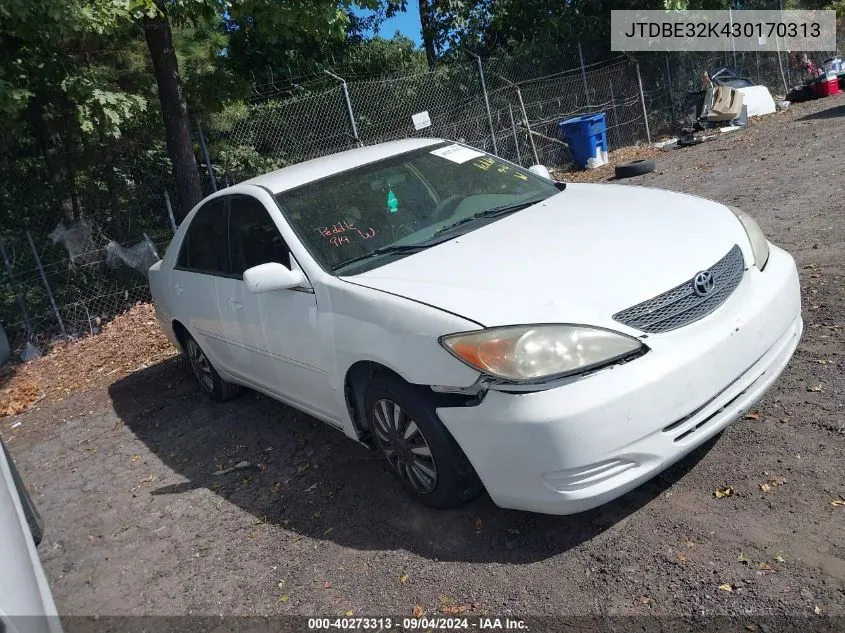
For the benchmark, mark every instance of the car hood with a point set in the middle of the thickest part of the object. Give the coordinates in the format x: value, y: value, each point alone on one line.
x: 577, y: 257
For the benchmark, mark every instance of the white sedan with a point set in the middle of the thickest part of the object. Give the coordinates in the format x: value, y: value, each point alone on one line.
x: 482, y: 326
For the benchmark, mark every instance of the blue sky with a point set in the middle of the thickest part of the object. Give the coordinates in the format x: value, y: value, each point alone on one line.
x: 407, y: 23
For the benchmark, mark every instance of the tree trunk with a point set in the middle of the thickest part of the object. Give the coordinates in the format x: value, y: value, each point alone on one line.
x: 428, y: 32
x: 174, y: 110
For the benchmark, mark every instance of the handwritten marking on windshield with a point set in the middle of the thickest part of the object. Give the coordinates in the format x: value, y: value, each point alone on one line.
x: 485, y: 164
x: 335, y: 229
x: 335, y: 233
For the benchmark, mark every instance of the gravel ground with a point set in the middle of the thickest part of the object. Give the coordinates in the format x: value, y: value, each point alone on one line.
x: 138, y: 523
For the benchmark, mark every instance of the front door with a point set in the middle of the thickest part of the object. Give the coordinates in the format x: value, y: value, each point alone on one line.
x: 280, y: 349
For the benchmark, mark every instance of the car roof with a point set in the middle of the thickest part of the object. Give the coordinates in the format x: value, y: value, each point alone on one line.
x: 317, y: 168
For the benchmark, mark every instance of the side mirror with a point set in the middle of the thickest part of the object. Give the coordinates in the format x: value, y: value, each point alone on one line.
x: 541, y: 171
x: 272, y: 276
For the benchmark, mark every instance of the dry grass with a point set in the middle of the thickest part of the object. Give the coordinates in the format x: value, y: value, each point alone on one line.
x: 131, y: 341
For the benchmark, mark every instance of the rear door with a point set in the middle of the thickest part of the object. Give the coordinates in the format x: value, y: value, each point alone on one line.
x: 277, y: 332
x: 202, y: 262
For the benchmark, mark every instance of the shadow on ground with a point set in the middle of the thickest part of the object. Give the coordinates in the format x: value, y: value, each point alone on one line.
x: 830, y: 113
x: 312, y: 480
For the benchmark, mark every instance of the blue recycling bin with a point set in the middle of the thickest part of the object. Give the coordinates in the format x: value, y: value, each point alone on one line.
x: 585, y: 135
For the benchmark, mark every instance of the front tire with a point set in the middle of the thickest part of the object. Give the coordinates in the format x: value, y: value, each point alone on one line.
x: 209, y: 380
x: 420, y: 451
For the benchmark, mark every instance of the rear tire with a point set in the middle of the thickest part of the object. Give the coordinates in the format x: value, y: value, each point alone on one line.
x: 209, y: 380
x: 420, y: 451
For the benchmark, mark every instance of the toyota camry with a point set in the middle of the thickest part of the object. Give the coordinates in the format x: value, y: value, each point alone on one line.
x: 481, y: 325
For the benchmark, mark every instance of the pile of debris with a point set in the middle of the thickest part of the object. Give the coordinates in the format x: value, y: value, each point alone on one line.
x: 131, y: 341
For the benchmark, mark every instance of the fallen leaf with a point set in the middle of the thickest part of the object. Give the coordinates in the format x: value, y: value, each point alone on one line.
x: 765, y: 567
x: 742, y: 558
x: 838, y: 502
x: 751, y: 627
x: 645, y: 599
x: 329, y: 531
x: 316, y: 515
x: 134, y: 459
x: 726, y: 587
x: 765, y: 487
x: 681, y: 558
x: 479, y: 524
x: 816, y: 388
x: 455, y: 609
x: 817, y: 610
x: 417, y: 611
x: 280, y: 584
x: 284, y: 598
x: 327, y: 585
x: 444, y: 600
x: 780, y: 559
x: 689, y: 542
x: 753, y: 415
x: 403, y: 579
x: 349, y: 613
x: 727, y: 491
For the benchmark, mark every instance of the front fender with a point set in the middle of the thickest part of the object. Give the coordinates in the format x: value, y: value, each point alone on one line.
x: 362, y: 324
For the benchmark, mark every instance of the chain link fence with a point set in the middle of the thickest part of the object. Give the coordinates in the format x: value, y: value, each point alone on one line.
x: 490, y: 105
x: 69, y: 281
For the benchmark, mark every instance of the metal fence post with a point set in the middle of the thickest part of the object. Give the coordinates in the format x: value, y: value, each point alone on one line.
x: 46, y: 284
x: 18, y: 293
x: 617, y: 134
x: 669, y: 85
x: 527, y: 124
x: 642, y: 101
x: 584, y: 74
x: 515, y: 136
x: 486, y: 100
x: 170, y: 211
x: 207, y: 158
x: 349, y: 112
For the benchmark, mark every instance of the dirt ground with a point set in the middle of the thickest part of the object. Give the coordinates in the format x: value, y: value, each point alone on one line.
x: 137, y: 521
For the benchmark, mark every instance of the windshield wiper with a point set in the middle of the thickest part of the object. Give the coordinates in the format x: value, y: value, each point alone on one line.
x: 391, y: 248
x: 488, y: 213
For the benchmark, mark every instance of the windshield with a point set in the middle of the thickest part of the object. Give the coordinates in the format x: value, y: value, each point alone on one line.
x: 365, y: 217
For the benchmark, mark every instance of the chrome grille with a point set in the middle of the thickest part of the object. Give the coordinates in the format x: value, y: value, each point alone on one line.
x: 681, y: 305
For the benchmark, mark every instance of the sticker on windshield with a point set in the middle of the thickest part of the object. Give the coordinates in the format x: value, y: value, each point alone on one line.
x: 457, y: 153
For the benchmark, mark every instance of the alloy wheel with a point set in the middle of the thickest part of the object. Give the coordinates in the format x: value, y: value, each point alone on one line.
x: 200, y: 365
x: 404, y: 446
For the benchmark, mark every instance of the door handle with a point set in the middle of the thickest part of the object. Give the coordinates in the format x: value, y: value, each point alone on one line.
x: 237, y: 305
x: 178, y: 289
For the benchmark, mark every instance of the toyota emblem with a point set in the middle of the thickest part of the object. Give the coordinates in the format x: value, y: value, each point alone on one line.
x: 703, y: 283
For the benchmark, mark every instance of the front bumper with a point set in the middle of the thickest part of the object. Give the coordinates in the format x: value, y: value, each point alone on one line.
x: 574, y: 447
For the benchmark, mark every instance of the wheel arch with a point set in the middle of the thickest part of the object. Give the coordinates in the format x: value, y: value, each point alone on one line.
x: 180, y: 331
x: 359, y: 375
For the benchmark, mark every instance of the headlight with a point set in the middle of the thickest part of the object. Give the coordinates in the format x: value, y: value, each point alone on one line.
x: 759, y: 243
x: 521, y: 353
